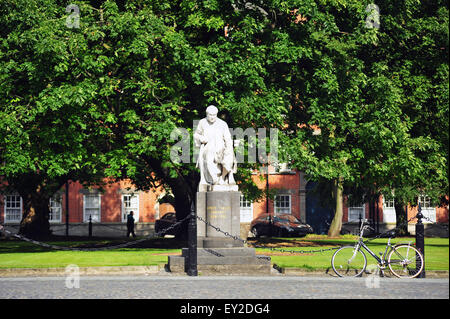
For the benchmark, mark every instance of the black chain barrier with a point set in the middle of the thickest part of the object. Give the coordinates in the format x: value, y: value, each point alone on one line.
x: 227, y: 234
x: 130, y: 243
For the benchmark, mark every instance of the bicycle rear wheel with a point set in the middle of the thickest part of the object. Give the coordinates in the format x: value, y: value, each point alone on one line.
x: 405, y: 261
x: 349, y: 262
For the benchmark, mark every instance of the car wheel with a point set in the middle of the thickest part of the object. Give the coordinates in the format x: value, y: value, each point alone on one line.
x: 255, y: 232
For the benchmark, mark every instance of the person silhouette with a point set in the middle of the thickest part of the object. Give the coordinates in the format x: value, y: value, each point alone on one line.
x: 130, y: 224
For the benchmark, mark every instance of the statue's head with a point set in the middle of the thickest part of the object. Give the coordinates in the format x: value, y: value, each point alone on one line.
x: 211, y: 113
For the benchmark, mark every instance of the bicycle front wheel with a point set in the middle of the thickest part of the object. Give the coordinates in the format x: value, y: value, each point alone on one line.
x: 405, y: 261
x: 349, y: 262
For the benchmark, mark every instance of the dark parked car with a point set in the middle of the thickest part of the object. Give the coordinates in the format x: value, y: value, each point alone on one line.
x: 165, y: 222
x: 281, y: 225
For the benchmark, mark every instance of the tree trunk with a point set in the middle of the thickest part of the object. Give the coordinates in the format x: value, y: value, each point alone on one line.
x: 35, y: 221
x: 336, y: 224
x: 401, y: 218
x: 183, y: 200
x: 183, y: 189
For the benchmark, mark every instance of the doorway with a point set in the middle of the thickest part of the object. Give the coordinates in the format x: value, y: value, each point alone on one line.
x: 319, y: 214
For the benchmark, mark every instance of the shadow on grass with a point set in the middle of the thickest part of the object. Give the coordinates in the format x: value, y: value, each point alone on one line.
x: 274, y: 242
x: 14, y: 245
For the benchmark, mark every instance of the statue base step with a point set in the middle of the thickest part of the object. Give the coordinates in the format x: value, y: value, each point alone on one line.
x: 218, y: 242
x: 237, y: 260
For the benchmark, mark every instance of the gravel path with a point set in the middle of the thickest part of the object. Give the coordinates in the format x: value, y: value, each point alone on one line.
x: 221, y: 287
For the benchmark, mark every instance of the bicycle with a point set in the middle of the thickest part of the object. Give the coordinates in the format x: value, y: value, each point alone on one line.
x: 403, y: 260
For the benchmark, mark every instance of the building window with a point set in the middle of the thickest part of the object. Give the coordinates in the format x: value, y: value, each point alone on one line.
x: 282, y: 168
x: 282, y: 204
x: 355, y: 213
x: 13, y: 208
x: 389, y: 202
x: 389, y: 215
x: 246, y: 209
x: 55, y: 209
x: 428, y: 211
x: 130, y: 203
x: 91, y: 207
x: 425, y: 202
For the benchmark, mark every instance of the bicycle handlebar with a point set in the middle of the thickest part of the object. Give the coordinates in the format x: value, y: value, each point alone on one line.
x: 364, y: 226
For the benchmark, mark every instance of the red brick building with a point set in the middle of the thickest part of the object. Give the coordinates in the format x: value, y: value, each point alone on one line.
x: 108, y: 208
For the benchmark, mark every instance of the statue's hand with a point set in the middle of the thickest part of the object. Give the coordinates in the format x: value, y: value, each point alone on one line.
x: 204, y: 140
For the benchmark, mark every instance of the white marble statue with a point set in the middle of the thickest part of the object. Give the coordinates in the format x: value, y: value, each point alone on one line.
x: 216, y: 158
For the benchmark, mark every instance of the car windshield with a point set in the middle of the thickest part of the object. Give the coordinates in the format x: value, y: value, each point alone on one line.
x: 288, y: 218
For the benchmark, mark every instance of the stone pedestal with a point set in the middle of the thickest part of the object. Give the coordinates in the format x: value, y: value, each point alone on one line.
x: 225, y: 261
x: 220, y: 209
x: 218, y: 253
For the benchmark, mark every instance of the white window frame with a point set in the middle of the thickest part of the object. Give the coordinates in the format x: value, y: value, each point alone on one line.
x: 280, y: 168
x: 427, y: 210
x: 95, y: 218
x: 246, y: 209
x: 282, y: 209
x: 7, y: 210
x: 55, y: 206
x: 126, y: 210
x: 352, y: 217
x: 389, y: 215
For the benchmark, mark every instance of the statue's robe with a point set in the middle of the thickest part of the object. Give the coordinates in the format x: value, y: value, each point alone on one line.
x: 216, y: 157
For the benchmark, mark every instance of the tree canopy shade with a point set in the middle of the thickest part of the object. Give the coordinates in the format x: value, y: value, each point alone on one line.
x: 100, y: 96
x: 97, y: 92
x: 50, y: 121
x: 374, y: 94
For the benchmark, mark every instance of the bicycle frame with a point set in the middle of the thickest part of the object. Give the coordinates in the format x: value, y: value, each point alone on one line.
x: 398, y: 258
x: 381, y: 260
x: 389, y: 247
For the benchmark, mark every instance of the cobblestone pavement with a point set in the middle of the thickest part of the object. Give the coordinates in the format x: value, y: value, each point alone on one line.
x: 221, y: 287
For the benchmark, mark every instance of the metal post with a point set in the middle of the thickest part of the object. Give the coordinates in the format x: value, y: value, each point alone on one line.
x: 267, y: 202
x: 67, y: 208
x: 90, y: 226
x: 192, y: 243
x: 378, y: 215
x: 420, y: 239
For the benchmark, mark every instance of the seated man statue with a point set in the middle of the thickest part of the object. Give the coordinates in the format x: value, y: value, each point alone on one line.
x: 216, y: 158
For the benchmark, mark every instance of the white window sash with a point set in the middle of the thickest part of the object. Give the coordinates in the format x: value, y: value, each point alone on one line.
x: 282, y: 204
x: 132, y: 206
x: 246, y: 210
x: 93, y: 211
x: 12, y: 213
x: 389, y: 210
x: 426, y: 209
x: 55, y: 210
x: 354, y: 212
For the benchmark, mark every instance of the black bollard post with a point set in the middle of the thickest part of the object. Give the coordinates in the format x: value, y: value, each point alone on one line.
x: 192, y: 243
x: 90, y: 226
x: 420, y: 239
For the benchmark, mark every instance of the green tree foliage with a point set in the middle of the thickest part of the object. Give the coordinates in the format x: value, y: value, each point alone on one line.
x: 101, y: 98
x: 374, y: 93
x: 50, y: 123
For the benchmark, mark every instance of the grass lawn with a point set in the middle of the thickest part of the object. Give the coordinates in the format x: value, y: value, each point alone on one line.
x: 20, y: 254
x: 436, y: 252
